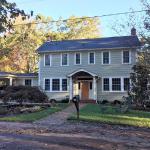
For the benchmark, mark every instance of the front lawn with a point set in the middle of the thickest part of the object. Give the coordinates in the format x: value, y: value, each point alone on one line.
x: 94, y: 113
x: 30, y: 117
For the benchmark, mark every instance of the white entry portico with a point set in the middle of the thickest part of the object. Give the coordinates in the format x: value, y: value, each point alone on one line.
x: 84, y: 84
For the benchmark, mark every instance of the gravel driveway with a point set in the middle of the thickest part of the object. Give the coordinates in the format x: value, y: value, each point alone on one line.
x: 71, y: 136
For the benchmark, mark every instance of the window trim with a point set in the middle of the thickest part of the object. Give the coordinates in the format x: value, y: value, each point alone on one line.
x: 59, y: 85
x: 28, y: 79
x: 50, y: 60
x: 62, y: 84
x: 103, y: 57
x: 44, y: 85
x: 110, y: 84
x: 67, y: 59
x: 89, y: 58
x: 129, y: 57
x: 121, y: 84
x: 75, y: 58
x: 60, y: 80
x: 103, y: 84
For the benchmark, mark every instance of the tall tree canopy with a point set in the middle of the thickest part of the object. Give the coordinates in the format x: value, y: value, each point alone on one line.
x: 140, y: 75
x: 8, y: 13
x: 18, y: 48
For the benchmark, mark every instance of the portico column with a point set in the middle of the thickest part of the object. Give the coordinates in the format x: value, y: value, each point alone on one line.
x: 10, y: 82
x: 95, y: 88
x: 70, y: 88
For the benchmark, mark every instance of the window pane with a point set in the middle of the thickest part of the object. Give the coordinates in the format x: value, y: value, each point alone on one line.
x: 77, y: 58
x: 91, y: 58
x: 64, y: 84
x: 28, y: 82
x: 47, y: 84
x: 126, y: 84
x: 105, y: 57
x: 47, y: 60
x: 79, y: 85
x: 106, y: 84
x: 116, y: 84
x: 64, y: 59
x: 55, y: 84
x: 125, y: 56
x: 91, y: 85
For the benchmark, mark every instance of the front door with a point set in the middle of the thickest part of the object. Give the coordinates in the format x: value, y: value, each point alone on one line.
x: 85, y: 90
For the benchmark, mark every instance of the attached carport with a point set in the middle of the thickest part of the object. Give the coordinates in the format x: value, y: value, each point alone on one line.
x: 6, y: 79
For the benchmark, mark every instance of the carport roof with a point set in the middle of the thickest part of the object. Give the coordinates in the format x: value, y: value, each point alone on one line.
x: 10, y: 74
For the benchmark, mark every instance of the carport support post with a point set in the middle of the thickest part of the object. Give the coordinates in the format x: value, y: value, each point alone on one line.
x: 70, y: 88
x: 95, y: 88
x: 10, y: 81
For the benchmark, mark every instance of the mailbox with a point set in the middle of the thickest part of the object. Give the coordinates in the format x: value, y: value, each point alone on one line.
x: 76, y: 100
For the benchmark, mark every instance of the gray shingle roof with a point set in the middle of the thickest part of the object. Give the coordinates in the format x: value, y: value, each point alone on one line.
x: 84, y: 44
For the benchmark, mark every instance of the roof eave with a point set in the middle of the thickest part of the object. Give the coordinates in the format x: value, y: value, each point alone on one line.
x: 47, y: 51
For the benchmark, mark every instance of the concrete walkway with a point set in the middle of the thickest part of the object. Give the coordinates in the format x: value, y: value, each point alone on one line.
x: 58, y: 118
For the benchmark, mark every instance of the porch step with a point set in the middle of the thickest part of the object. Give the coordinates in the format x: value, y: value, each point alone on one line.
x: 88, y: 101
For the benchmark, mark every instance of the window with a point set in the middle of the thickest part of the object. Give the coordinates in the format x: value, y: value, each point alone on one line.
x: 78, y: 58
x: 105, y: 58
x: 64, y: 84
x: 28, y: 82
x: 55, y: 84
x: 91, y: 58
x: 91, y: 86
x: 106, y: 84
x: 126, y: 57
x: 79, y: 85
x: 47, y: 84
x: 47, y: 59
x: 126, y: 84
x: 116, y: 84
x: 64, y: 59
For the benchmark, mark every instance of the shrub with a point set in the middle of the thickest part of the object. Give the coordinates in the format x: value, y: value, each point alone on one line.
x: 105, y: 102
x: 3, y: 111
x: 24, y: 94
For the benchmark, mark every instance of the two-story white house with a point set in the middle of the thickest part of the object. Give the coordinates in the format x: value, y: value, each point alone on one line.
x: 95, y: 69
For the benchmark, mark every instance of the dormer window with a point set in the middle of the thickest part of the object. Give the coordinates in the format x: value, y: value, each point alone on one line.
x: 126, y: 57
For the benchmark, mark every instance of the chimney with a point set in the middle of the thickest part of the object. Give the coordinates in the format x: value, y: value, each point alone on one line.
x: 49, y: 38
x: 133, y: 31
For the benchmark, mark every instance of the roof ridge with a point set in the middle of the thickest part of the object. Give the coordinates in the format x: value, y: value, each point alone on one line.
x: 90, y: 39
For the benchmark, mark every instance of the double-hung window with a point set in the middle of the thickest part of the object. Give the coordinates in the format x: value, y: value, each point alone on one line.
x: 64, y: 59
x: 126, y: 57
x: 91, y: 58
x: 126, y: 84
x: 47, y: 85
x: 47, y: 60
x: 106, y: 84
x: 116, y: 84
x: 55, y: 84
x: 28, y: 82
x: 64, y: 84
x: 105, y: 58
x: 77, y: 58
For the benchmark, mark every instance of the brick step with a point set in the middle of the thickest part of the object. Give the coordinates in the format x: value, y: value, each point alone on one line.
x: 88, y: 101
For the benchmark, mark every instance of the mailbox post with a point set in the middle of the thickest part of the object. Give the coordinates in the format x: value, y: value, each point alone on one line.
x: 76, y: 100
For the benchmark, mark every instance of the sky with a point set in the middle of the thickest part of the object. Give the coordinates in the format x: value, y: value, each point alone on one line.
x: 66, y: 8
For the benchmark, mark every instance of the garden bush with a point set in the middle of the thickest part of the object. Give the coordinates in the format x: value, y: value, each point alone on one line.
x: 22, y: 94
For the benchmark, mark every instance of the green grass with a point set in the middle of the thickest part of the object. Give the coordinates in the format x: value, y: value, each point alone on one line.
x: 30, y: 117
x: 95, y: 113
